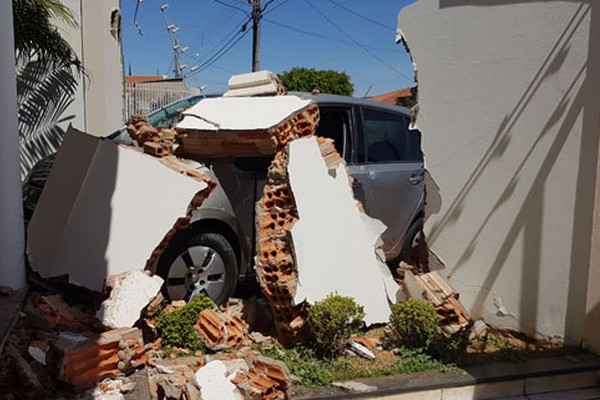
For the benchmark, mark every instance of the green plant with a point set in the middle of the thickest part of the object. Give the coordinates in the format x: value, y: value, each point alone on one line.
x: 332, y: 321
x: 303, y: 363
x: 177, y: 327
x: 414, y: 324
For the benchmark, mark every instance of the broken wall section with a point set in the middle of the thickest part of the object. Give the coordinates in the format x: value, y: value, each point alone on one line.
x: 508, y: 97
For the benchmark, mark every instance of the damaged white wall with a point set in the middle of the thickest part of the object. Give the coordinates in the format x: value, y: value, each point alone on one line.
x: 509, y: 109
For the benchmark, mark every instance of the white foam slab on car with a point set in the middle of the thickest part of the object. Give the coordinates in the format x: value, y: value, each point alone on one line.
x: 241, y: 113
x: 103, y: 211
x: 334, y: 242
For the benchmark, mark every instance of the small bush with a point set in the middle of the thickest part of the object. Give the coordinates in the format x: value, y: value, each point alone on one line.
x: 332, y: 321
x: 177, y: 327
x: 414, y: 324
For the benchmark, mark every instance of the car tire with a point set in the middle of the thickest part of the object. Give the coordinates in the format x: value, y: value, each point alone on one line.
x: 410, y: 247
x: 198, y: 262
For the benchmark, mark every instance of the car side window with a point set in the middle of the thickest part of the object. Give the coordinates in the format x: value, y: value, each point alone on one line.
x: 334, y: 123
x: 388, y: 139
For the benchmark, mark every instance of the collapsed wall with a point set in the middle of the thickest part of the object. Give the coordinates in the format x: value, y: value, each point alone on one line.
x: 275, y: 215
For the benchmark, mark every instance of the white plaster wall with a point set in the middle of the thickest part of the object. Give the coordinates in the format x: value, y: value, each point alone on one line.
x: 98, y: 106
x: 509, y: 111
x: 75, y: 113
x: 104, y: 93
x: 12, y: 266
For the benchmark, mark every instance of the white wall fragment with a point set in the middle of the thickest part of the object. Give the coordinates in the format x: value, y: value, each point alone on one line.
x: 131, y: 291
x: 103, y: 211
x: 251, y: 113
x: 334, y: 243
x: 215, y: 383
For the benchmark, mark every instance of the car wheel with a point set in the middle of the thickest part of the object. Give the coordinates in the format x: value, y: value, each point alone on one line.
x: 410, y: 248
x: 198, y: 262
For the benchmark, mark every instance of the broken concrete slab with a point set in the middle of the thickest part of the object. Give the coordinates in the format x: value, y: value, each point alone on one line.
x: 258, y: 83
x: 348, y: 264
x: 215, y: 382
x: 94, y: 218
x: 260, y: 126
x: 130, y: 292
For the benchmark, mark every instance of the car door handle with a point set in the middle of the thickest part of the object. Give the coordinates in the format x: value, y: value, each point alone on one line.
x: 416, y: 179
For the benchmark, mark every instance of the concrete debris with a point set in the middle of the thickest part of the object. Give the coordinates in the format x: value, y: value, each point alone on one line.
x: 23, y: 371
x: 105, y: 355
x: 173, y: 378
x: 220, y: 330
x: 260, y: 126
x: 112, y: 389
x: 437, y: 291
x: 130, y: 292
x: 353, y: 386
x: 261, y: 83
x: 478, y: 329
x: 96, y: 200
x: 37, y: 350
x: 367, y: 342
x: 50, y: 312
x: 361, y: 350
x: 266, y: 379
x: 215, y: 382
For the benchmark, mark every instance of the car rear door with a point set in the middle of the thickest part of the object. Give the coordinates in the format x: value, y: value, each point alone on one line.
x: 388, y: 172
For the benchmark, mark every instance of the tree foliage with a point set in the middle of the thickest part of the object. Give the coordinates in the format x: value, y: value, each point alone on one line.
x: 37, y: 37
x: 300, y: 79
x: 48, y: 73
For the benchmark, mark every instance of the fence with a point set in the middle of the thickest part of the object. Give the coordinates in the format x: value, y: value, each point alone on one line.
x: 142, y: 101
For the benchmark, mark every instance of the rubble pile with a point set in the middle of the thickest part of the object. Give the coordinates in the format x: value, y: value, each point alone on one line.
x: 435, y: 289
x: 158, y: 142
x: 106, y: 355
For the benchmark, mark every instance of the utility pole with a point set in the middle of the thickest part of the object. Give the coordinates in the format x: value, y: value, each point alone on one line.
x: 256, y: 16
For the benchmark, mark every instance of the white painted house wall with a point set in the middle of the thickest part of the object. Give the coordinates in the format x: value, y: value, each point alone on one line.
x: 99, y: 104
x: 12, y: 237
x: 509, y: 94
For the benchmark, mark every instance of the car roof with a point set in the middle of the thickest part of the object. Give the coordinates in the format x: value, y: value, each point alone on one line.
x: 348, y: 100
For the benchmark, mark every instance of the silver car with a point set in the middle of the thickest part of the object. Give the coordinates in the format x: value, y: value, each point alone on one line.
x: 383, y: 156
x: 211, y: 256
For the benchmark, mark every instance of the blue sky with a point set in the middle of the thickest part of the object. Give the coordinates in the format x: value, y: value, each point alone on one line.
x: 355, y: 36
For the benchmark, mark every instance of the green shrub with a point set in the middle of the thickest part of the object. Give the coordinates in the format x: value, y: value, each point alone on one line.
x: 177, y: 327
x: 414, y: 324
x: 332, y: 321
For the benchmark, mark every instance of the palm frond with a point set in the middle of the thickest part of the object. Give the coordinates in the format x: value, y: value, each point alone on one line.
x: 43, y: 96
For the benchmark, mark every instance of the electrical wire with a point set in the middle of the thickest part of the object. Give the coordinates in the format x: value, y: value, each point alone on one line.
x: 364, y: 48
x: 275, y: 7
x: 217, y: 56
x: 349, y: 10
x: 231, y: 6
x: 324, y: 37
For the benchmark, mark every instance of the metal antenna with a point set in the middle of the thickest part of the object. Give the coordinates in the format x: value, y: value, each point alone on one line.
x: 172, y: 31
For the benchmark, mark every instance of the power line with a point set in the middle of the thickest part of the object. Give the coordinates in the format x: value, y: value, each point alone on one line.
x: 364, y: 48
x: 324, y: 37
x: 275, y: 7
x: 231, y: 6
x: 224, y: 50
x: 349, y: 10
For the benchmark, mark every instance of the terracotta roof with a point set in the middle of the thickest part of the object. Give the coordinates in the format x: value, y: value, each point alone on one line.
x: 391, y: 97
x: 131, y: 79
